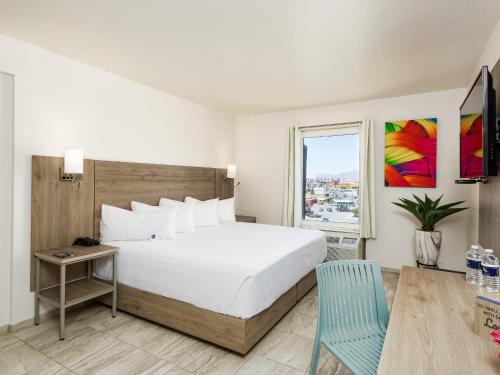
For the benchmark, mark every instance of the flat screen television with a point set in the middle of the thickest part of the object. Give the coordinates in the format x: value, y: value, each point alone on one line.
x: 478, y: 130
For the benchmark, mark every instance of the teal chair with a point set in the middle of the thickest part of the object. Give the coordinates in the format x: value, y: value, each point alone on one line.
x: 352, y: 314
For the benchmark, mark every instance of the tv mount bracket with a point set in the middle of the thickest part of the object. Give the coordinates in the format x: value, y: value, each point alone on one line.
x: 475, y: 180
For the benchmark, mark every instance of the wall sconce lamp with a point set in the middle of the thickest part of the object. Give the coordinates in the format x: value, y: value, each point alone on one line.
x: 231, y: 173
x: 73, y: 164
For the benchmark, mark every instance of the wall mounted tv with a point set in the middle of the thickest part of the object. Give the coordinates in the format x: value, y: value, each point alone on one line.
x: 478, y: 133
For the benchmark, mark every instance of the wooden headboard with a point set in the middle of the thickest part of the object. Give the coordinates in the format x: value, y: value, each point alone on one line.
x: 117, y: 184
x: 63, y: 211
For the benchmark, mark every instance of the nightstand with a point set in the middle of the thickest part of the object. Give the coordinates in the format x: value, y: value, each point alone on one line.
x: 246, y: 219
x: 70, y: 293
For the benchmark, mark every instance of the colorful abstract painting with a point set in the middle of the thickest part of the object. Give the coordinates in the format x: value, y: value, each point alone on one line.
x: 410, y: 153
x: 471, y: 145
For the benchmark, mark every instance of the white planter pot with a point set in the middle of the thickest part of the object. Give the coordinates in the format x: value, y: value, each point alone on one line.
x: 427, y: 247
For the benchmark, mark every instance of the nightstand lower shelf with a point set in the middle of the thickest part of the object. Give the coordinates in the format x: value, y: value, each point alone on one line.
x: 77, y: 291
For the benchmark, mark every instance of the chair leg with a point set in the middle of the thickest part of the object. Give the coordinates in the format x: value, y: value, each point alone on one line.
x: 315, y: 357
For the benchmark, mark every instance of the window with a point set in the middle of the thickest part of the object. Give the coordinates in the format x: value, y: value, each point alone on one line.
x: 330, y: 177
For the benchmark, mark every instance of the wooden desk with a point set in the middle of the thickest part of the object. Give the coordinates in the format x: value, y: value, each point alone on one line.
x: 431, y: 328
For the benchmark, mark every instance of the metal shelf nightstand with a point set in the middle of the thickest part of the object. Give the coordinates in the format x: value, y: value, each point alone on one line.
x: 70, y: 293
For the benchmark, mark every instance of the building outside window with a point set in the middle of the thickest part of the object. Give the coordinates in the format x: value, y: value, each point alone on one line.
x: 330, y: 178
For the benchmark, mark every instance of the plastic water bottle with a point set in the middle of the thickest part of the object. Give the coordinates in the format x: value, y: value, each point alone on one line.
x: 490, y: 266
x: 474, y: 272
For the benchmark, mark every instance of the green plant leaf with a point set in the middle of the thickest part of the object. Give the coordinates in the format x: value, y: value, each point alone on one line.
x: 408, y: 202
x: 420, y: 201
x: 436, y: 202
x: 427, y: 211
x: 410, y: 209
x: 427, y: 202
x: 449, y: 205
x: 440, y: 215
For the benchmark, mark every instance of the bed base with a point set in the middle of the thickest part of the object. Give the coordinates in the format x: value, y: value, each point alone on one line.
x: 238, y: 335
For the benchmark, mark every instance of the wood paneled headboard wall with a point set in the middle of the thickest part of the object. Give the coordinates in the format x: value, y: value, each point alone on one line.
x: 61, y: 212
x: 117, y: 184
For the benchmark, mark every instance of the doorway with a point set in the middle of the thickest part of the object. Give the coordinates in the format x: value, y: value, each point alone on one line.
x: 6, y: 193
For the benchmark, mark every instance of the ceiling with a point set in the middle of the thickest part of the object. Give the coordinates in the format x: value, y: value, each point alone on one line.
x: 254, y: 56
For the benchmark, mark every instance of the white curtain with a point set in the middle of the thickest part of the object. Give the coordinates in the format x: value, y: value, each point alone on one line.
x: 290, y: 195
x: 366, y: 181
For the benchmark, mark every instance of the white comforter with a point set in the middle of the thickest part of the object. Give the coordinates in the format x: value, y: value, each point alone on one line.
x: 237, y: 269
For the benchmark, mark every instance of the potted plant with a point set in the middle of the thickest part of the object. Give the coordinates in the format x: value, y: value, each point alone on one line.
x: 428, y: 212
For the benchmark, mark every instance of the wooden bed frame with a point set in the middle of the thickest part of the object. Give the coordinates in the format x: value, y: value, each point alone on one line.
x: 62, y: 211
x: 239, y: 335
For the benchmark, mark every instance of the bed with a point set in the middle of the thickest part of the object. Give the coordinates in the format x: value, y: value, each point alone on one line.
x: 236, y: 269
x: 228, y: 285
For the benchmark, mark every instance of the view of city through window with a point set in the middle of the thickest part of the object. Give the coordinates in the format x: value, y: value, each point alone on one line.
x: 332, y: 179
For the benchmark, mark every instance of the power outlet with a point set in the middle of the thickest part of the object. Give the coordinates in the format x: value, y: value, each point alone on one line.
x: 65, y: 177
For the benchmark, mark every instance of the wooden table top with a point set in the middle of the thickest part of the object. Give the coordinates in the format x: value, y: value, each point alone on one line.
x: 82, y: 253
x: 431, y: 328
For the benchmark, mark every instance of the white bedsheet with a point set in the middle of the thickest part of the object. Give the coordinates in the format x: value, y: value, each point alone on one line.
x: 237, y: 269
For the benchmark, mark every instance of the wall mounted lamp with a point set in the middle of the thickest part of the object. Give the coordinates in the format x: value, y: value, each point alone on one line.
x: 73, y: 164
x: 231, y: 173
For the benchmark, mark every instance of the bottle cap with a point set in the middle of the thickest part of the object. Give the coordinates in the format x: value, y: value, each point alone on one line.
x: 475, y: 247
x: 488, y: 251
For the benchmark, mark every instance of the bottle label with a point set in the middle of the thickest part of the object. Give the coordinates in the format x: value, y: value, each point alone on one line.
x: 474, y: 264
x: 490, y: 271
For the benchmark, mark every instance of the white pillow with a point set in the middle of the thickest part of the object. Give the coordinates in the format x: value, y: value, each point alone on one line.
x: 225, y: 210
x: 205, y: 212
x: 118, y: 224
x: 184, y: 220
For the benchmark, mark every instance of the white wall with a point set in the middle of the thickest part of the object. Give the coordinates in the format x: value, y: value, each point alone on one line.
x: 61, y: 103
x: 6, y: 133
x: 491, y: 53
x: 260, y: 151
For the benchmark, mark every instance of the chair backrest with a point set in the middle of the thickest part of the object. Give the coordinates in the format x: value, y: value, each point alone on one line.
x: 351, y: 298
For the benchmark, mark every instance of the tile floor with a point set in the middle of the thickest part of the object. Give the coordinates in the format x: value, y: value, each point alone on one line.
x: 98, y: 344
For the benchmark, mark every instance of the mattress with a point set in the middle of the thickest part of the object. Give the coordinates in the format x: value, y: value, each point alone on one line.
x: 237, y: 269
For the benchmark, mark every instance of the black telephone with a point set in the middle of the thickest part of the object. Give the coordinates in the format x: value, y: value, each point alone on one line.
x: 85, y: 241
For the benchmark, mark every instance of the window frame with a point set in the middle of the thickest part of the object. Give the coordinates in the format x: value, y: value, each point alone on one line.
x: 309, y: 132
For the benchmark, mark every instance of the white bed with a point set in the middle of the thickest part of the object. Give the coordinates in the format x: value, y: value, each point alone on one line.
x: 237, y: 269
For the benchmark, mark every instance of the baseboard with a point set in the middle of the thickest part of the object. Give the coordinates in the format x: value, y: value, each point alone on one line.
x: 30, y: 322
x: 43, y: 317
x: 4, y: 328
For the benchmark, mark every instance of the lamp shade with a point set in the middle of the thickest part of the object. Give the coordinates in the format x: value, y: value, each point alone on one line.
x: 231, y: 171
x: 73, y: 161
